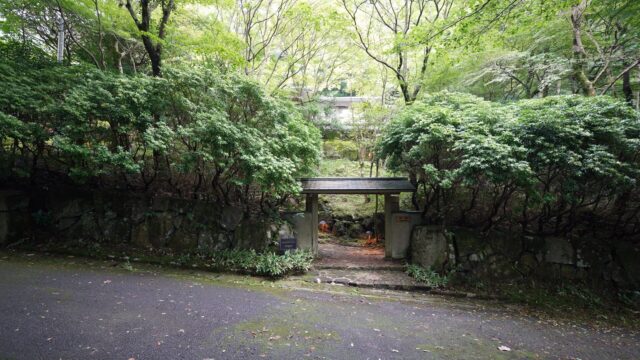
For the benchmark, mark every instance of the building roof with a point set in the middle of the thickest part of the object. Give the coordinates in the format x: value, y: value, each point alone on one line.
x: 356, y: 185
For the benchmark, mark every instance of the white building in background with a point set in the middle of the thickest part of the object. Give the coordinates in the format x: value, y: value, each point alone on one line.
x: 342, y: 108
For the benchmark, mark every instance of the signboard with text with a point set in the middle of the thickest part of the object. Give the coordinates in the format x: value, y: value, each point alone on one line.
x: 288, y: 243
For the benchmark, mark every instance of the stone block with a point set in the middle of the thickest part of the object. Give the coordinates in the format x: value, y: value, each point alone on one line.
x: 183, y: 239
x: 528, y: 263
x: 231, y: 217
x: 403, y: 225
x: 300, y: 227
x: 355, y: 230
x: 116, y: 230
x: 507, y: 244
x: 340, y: 228
x: 4, y: 221
x: 214, y: 241
x: 140, y: 235
x: 160, y: 229
x: 428, y: 247
x: 628, y: 258
x: 468, y: 241
x: 558, y: 251
x: 368, y: 223
x: 251, y: 234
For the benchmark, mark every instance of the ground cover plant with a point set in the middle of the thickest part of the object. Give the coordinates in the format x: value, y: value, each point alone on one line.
x: 427, y: 276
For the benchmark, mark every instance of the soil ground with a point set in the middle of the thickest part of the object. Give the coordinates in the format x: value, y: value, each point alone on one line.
x: 338, y: 256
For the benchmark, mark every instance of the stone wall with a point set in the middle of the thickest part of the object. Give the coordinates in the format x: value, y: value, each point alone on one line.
x: 503, y: 255
x: 353, y: 227
x: 299, y: 225
x: 119, y: 218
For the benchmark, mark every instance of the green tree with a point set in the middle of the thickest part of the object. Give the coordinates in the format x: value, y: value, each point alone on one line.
x: 152, y: 31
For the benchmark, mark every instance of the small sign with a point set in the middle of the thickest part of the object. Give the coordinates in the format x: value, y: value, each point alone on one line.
x: 403, y: 218
x: 288, y: 244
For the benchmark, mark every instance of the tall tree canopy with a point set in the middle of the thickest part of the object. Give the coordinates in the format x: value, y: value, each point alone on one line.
x: 397, y: 49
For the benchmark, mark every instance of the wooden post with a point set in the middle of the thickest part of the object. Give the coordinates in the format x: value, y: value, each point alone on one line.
x: 391, y: 205
x: 312, y: 210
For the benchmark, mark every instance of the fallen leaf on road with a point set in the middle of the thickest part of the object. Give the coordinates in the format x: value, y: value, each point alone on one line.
x: 504, y: 348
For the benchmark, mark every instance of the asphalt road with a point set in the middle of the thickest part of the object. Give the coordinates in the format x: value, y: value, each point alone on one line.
x: 70, y: 309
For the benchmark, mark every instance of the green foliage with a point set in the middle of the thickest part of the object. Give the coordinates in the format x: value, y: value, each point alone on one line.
x: 482, y: 163
x: 194, y: 133
x: 427, y: 276
x: 345, y: 149
x: 198, y: 35
x: 264, y: 264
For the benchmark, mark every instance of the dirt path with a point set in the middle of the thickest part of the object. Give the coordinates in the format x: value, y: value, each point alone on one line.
x: 337, y: 256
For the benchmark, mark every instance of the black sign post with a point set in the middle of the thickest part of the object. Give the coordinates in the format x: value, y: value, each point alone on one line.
x: 288, y: 243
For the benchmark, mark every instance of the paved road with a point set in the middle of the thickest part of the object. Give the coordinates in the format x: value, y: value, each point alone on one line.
x: 51, y: 309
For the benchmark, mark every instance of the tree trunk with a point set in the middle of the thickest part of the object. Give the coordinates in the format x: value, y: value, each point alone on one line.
x: 119, y: 57
x: 154, y: 52
x: 638, y: 94
x: 626, y: 86
x: 156, y: 64
x: 144, y: 24
x: 404, y: 88
x: 579, y: 54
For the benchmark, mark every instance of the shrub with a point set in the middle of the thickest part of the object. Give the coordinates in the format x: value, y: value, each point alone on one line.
x: 194, y: 133
x: 545, y: 166
x: 427, y: 276
x: 345, y: 149
x: 264, y: 264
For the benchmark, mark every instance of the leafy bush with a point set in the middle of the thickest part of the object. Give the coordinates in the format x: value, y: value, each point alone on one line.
x: 345, y: 149
x: 194, y: 133
x: 427, y: 276
x: 263, y: 264
x: 546, y: 166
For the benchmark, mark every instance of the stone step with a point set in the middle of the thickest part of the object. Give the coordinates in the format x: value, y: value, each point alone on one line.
x: 390, y: 267
x: 377, y: 279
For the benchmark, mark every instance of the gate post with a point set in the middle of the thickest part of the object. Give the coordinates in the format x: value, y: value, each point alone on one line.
x: 312, y: 209
x: 391, y: 205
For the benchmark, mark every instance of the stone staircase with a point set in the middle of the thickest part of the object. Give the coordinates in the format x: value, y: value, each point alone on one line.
x: 361, y: 267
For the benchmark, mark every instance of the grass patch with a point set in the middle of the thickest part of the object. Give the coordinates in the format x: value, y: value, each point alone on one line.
x: 427, y: 276
x: 348, y: 168
x: 336, y: 149
x: 267, y: 263
x: 575, y: 301
x: 250, y: 262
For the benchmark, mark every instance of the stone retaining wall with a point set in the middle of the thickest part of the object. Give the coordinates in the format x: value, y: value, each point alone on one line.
x: 503, y: 255
x: 353, y: 227
x: 118, y: 218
